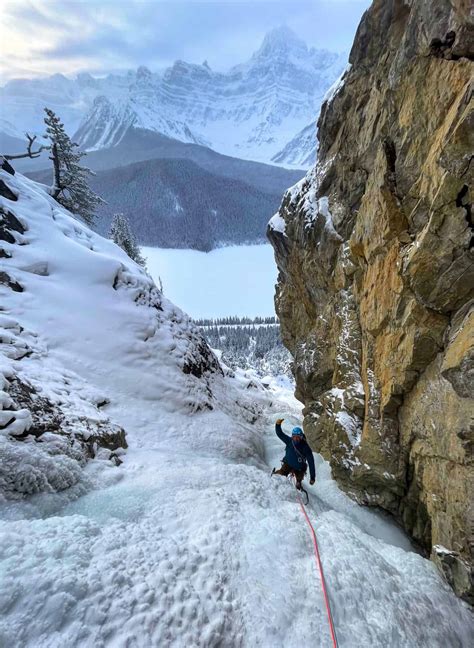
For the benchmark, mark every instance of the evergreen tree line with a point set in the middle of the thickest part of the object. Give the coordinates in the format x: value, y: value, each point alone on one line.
x: 250, y: 346
x: 235, y: 320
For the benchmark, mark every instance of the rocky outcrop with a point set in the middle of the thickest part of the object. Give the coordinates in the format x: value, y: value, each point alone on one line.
x: 50, y: 421
x: 376, y: 276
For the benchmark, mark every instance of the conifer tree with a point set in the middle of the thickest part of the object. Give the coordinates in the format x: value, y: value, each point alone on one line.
x: 70, y: 186
x: 122, y: 235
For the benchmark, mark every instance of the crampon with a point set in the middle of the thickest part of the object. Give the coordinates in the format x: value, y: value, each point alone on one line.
x: 302, y: 490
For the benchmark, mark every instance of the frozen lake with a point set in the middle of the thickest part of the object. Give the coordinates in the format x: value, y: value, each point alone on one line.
x: 236, y: 280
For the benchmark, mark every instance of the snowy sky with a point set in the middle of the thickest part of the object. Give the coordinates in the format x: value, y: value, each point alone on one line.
x: 39, y: 37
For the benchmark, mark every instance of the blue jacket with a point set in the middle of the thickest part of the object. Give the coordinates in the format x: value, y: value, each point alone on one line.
x: 297, y: 453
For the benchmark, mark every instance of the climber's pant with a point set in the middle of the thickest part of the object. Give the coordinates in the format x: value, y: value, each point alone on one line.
x: 286, y: 470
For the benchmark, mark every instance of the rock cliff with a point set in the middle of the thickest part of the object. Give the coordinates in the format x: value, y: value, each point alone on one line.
x: 375, y: 251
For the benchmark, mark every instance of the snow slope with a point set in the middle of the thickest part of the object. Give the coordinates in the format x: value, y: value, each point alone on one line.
x: 234, y: 280
x: 251, y: 112
x: 72, y: 301
x: 190, y: 542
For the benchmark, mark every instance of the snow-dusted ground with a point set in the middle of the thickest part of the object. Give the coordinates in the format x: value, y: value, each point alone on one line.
x: 190, y: 542
x: 234, y: 280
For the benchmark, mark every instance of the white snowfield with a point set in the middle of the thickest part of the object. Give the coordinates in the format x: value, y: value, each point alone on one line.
x: 231, y: 280
x: 190, y: 542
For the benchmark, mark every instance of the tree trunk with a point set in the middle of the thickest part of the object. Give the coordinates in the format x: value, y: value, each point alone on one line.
x: 56, y: 188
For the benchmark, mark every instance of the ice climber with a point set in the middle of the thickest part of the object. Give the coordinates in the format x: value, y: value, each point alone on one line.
x: 297, y: 456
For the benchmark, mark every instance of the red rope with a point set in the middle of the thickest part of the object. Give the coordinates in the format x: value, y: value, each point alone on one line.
x: 323, y: 581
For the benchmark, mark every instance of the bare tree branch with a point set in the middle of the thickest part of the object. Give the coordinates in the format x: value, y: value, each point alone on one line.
x: 29, y: 152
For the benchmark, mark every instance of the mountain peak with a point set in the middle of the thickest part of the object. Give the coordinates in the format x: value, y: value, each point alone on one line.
x: 281, y: 39
x: 84, y: 77
x: 143, y: 72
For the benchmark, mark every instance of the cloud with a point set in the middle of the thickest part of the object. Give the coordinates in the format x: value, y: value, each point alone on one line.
x: 41, y: 37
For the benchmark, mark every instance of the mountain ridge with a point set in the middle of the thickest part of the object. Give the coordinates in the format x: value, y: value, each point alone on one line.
x: 252, y: 111
x: 138, y: 146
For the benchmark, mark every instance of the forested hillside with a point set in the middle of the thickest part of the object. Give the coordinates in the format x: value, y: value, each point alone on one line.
x: 249, y: 343
x: 178, y: 204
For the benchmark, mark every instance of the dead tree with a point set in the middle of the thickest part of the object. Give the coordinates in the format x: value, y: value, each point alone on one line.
x: 29, y: 151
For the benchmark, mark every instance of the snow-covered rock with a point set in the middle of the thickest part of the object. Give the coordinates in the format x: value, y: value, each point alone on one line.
x: 376, y: 273
x: 277, y: 223
x: 71, y: 299
x: 252, y: 111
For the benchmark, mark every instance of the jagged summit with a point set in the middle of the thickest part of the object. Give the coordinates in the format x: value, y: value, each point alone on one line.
x: 143, y: 72
x: 281, y: 40
x: 84, y: 77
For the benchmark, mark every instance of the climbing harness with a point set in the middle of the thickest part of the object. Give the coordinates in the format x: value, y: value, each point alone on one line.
x: 301, y: 458
x: 321, y: 572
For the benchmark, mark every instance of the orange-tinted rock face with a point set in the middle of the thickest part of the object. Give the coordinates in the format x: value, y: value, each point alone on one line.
x: 376, y: 283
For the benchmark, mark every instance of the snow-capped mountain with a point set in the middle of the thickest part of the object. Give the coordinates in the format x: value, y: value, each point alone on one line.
x: 252, y: 111
x: 301, y: 151
x: 107, y: 122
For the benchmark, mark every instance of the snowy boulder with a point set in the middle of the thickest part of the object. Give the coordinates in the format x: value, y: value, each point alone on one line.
x: 48, y: 428
x: 34, y: 467
x: 6, y: 166
x: 9, y: 227
x: 200, y: 359
x: 6, y: 192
